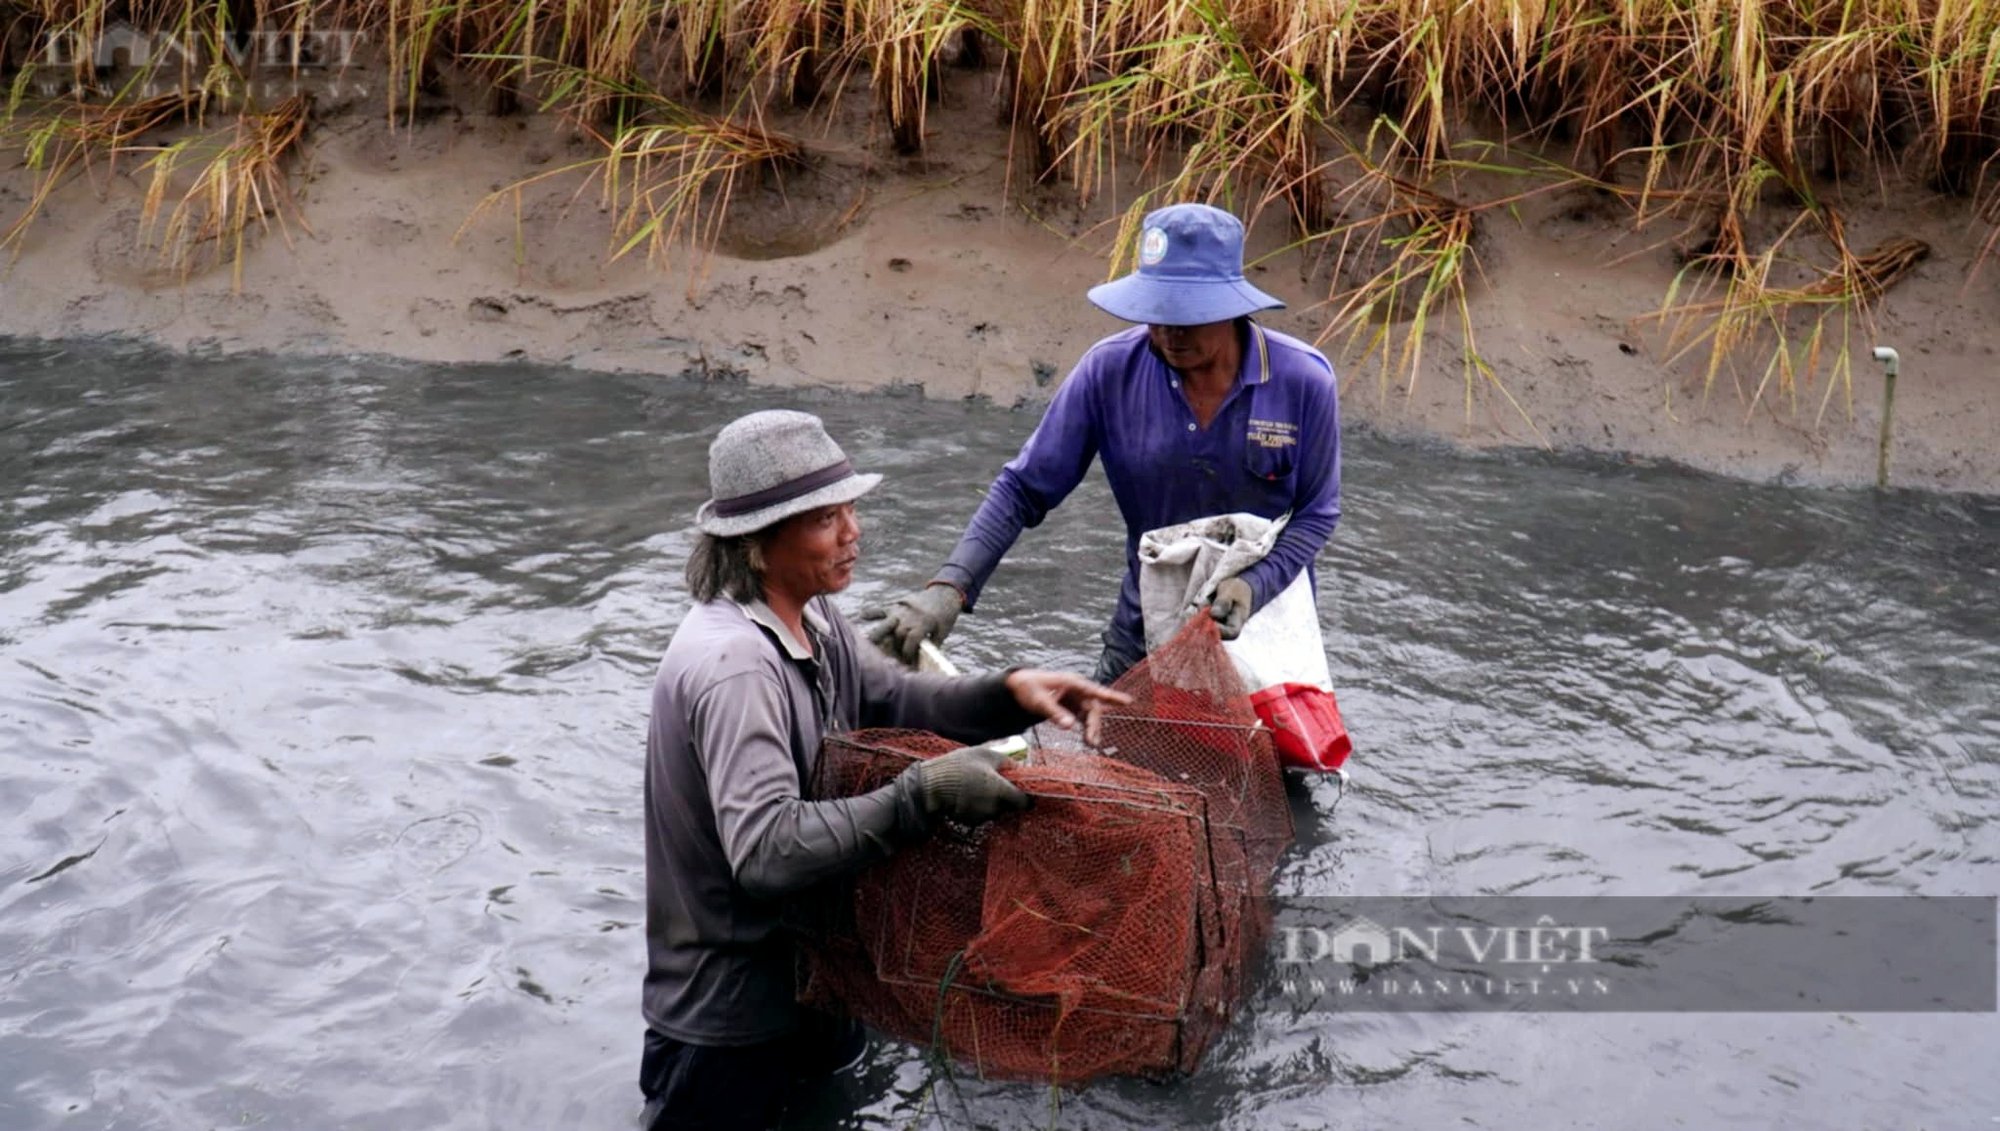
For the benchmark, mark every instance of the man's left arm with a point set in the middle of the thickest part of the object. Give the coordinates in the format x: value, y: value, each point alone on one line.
x: 1316, y: 502
x: 968, y: 709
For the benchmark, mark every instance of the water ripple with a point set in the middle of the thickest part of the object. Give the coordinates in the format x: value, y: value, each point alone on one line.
x: 325, y: 685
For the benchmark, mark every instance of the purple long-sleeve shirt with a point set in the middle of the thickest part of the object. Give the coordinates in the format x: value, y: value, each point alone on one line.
x: 1274, y: 446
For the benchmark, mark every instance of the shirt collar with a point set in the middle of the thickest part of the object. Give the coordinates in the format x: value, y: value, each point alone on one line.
x: 1257, y: 358
x: 1256, y: 368
x: 761, y: 614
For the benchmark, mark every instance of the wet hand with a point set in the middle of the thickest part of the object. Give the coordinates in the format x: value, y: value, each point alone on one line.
x: 966, y: 785
x: 1065, y: 697
x: 928, y: 614
x: 1231, y: 606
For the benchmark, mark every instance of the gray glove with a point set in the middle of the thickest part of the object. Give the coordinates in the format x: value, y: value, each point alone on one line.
x: 966, y: 785
x: 927, y: 614
x: 1231, y: 606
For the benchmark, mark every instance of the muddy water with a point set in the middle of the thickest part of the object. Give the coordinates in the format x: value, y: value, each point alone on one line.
x: 322, y: 689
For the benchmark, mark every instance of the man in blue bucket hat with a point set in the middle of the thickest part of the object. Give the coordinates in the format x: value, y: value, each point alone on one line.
x: 1197, y: 411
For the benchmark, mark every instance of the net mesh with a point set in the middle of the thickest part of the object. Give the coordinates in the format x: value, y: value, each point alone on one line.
x: 1102, y: 932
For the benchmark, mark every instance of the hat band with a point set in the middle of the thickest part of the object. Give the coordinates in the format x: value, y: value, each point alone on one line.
x: 784, y: 492
x: 1195, y: 275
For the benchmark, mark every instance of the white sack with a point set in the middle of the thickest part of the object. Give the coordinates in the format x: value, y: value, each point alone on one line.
x: 1179, y: 568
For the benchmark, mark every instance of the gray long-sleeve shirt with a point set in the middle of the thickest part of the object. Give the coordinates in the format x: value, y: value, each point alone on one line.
x: 739, y: 708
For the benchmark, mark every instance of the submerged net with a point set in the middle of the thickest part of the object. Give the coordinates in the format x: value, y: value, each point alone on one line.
x: 1104, y: 931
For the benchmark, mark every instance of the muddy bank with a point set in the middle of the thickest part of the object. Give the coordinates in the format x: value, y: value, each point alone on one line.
x: 870, y: 272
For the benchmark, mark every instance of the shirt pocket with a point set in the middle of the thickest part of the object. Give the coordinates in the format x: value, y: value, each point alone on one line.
x: 1270, y: 464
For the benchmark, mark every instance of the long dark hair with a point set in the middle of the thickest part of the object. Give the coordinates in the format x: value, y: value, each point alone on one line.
x: 731, y: 566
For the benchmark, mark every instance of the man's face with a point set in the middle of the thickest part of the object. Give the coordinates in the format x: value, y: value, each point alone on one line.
x: 1192, y: 347
x: 813, y: 553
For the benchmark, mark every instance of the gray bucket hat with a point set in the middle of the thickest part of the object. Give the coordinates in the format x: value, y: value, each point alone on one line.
x: 768, y: 466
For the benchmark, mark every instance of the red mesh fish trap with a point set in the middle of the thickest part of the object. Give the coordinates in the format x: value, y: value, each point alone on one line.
x: 1104, y: 931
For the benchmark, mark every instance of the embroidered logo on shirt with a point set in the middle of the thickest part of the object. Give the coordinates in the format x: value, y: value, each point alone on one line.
x: 1273, y: 433
x: 1152, y: 246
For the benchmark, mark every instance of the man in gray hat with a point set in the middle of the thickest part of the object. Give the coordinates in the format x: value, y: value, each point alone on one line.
x: 1199, y: 411
x: 762, y: 667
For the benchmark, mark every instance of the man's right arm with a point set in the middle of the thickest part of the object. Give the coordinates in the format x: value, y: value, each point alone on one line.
x: 777, y: 842
x: 1035, y: 482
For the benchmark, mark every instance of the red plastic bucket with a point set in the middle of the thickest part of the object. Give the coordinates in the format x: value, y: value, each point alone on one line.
x: 1305, y: 724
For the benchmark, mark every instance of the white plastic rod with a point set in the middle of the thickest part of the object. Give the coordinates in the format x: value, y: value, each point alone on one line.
x: 931, y: 658
x: 1891, y: 364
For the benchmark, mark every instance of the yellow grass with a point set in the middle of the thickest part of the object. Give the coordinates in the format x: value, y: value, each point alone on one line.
x: 666, y: 175
x: 1359, y: 120
x: 206, y: 191
x: 65, y: 138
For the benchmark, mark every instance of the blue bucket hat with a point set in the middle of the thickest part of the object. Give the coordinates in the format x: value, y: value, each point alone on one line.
x: 1190, y: 272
